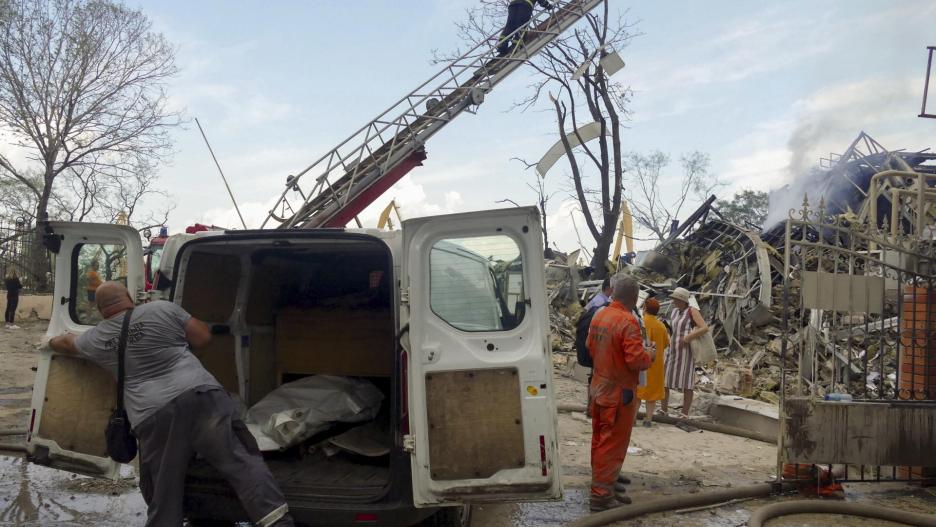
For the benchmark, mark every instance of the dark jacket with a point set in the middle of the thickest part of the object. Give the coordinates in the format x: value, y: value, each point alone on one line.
x: 13, y: 286
x: 543, y: 3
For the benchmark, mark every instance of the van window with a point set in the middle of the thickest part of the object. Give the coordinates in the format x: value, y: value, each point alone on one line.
x: 92, y: 265
x: 476, y: 284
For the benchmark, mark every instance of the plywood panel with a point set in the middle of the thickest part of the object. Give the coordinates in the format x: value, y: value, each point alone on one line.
x: 885, y: 433
x: 80, y: 396
x: 218, y: 358
x: 335, y: 342
x: 475, y: 423
x: 843, y: 292
x: 211, y: 286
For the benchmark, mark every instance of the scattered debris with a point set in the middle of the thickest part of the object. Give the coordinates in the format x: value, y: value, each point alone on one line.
x: 736, y: 275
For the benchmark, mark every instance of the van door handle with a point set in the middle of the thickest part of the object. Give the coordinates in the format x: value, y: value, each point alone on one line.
x: 430, y: 353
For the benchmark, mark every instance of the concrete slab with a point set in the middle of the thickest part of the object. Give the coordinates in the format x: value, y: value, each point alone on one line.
x: 747, y: 414
x: 576, y: 371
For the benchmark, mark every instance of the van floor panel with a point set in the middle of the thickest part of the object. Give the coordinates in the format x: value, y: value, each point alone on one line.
x: 329, y: 476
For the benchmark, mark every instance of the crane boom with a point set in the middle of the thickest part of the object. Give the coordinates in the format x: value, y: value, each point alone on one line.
x: 352, y: 175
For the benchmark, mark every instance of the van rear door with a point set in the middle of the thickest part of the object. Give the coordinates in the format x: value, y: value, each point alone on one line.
x: 73, y: 397
x: 480, y: 390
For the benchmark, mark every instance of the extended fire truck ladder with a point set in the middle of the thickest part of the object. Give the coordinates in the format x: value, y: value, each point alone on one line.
x: 362, y: 167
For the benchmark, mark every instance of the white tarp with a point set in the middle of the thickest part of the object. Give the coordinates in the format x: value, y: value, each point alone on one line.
x: 300, y: 409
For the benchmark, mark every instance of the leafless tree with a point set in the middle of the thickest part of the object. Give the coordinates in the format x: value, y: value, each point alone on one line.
x: 82, y: 91
x: 596, y: 168
x: 657, y: 200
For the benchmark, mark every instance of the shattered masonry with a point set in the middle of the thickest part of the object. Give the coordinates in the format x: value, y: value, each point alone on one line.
x: 737, y: 274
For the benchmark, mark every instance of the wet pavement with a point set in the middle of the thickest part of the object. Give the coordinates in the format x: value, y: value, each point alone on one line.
x: 32, y: 495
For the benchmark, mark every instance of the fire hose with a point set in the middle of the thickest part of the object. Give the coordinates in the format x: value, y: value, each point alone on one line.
x: 628, y: 512
x: 775, y: 510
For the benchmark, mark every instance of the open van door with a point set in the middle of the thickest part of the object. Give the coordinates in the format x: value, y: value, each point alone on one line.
x: 480, y: 388
x: 73, y: 397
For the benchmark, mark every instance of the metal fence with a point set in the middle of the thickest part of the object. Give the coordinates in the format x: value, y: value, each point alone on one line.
x: 860, y: 326
x: 17, y: 247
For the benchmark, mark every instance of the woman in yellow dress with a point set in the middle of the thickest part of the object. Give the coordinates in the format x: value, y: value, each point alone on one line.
x: 653, y: 391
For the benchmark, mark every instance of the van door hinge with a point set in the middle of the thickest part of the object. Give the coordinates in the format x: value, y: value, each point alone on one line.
x: 409, y: 443
x: 404, y: 296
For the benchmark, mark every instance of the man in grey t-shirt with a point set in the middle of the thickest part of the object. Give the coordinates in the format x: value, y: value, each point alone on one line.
x: 177, y: 409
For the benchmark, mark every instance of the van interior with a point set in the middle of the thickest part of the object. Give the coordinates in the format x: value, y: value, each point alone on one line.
x: 293, y: 309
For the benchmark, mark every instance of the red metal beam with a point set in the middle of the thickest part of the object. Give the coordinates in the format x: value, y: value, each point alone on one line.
x: 369, y: 195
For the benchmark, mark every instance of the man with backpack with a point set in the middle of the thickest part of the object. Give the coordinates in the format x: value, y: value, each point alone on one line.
x: 601, y: 299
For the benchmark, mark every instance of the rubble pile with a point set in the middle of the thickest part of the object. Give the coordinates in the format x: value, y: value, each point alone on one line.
x: 736, y: 276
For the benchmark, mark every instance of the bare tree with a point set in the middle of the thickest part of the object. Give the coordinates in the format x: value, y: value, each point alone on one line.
x: 82, y: 90
x: 656, y: 200
x: 596, y: 169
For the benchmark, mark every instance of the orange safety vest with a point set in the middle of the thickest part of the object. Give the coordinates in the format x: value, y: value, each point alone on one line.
x: 616, y: 347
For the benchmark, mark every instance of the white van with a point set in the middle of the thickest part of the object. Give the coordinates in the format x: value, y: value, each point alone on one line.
x: 447, y: 317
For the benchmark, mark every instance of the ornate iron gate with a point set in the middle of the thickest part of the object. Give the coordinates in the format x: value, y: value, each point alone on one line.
x: 859, y: 351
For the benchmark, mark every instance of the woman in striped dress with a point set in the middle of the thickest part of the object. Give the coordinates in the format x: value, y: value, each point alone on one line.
x: 687, y: 324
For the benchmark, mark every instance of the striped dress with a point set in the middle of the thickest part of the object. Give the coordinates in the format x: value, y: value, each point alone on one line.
x: 679, y: 365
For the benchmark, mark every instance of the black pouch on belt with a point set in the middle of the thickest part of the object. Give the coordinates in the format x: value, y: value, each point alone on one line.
x: 627, y: 395
x: 121, y: 443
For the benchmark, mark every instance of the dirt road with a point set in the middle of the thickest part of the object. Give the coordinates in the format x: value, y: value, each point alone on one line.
x: 663, y: 461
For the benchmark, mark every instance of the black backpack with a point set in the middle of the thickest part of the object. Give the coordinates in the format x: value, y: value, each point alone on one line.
x: 581, y: 336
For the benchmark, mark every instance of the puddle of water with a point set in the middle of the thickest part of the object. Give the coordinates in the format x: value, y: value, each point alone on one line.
x: 15, y: 389
x: 33, y: 495
x: 573, y: 506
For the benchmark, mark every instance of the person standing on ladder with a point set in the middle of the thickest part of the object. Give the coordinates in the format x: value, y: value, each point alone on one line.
x: 519, y: 13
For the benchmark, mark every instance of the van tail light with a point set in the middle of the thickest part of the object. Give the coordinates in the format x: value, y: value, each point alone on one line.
x: 404, y: 393
x: 543, y: 453
x: 32, y: 424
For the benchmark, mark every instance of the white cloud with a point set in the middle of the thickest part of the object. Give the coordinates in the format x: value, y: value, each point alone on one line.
x: 254, y: 214
x: 413, y: 202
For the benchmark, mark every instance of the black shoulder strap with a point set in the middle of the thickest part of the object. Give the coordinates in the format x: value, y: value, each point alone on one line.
x: 121, y: 351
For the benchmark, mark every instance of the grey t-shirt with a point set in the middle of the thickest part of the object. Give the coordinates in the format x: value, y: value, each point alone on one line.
x: 159, y: 364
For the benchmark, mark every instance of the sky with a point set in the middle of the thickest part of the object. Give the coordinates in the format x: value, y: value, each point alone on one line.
x: 765, y: 89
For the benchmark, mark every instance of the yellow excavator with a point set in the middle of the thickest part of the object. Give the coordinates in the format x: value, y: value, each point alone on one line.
x: 625, y: 231
x: 385, y: 219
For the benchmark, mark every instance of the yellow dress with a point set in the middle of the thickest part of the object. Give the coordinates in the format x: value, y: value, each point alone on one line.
x: 656, y: 333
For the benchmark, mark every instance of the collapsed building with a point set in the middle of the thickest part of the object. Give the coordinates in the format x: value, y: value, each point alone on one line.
x: 829, y: 309
x: 737, y: 272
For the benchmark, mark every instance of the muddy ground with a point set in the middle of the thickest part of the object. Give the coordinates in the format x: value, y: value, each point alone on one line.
x: 664, y: 461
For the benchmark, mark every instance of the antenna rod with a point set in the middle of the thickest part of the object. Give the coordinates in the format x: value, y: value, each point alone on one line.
x: 228, y: 187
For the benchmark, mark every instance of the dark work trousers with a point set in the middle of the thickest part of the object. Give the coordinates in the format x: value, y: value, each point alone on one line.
x: 11, y: 303
x: 204, y: 421
x: 518, y: 15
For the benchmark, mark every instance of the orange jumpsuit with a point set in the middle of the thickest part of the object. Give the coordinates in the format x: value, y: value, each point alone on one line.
x: 616, y: 347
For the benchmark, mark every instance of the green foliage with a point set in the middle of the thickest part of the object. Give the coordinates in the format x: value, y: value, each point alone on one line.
x: 747, y: 208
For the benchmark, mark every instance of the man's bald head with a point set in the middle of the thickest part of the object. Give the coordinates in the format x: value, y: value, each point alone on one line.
x: 626, y: 291
x: 112, y: 298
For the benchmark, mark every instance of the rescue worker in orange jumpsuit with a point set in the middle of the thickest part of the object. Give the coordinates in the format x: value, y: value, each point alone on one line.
x: 616, y: 345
